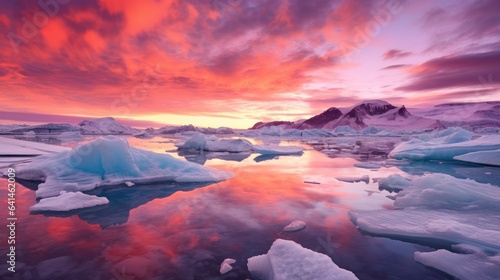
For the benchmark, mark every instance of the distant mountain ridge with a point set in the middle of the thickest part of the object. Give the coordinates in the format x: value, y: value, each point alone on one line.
x: 367, y: 113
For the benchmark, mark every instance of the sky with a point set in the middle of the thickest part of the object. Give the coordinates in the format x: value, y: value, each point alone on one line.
x: 233, y: 62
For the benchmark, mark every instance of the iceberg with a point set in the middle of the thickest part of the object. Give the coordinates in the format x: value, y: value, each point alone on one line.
x: 203, y: 142
x: 441, y: 208
x: 67, y: 201
x: 278, y: 150
x: 105, y: 126
x: 469, y: 265
x: 287, y: 260
x: 444, y: 145
x: 110, y: 161
x: 483, y: 157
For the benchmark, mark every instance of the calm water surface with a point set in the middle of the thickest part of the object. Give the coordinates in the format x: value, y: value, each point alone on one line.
x: 172, y: 231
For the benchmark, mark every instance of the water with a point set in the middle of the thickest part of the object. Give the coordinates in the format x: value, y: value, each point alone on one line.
x: 184, y: 231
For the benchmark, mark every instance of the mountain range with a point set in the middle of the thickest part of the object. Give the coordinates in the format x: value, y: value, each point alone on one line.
x: 380, y: 113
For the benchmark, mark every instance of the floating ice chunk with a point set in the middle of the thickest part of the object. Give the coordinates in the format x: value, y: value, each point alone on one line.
x: 394, y: 182
x: 110, y: 161
x: 471, y: 266
x: 441, y: 225
x: 30, y: 134
x: 441, y: 191
x: 278, y: 150
x: 226, y: 266
x: 444, y: 147
x: 483, y: 157
x: 129, y: 184
x: 67, y: 201
x: 369, y: 165
x: 211, y: 143
x: 295, y: 226
x: 439, y: 207
x: 287, y: 260
x: 14, y: 147
x: 364, y: 178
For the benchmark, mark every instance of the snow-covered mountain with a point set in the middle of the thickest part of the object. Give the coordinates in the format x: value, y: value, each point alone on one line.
x: 471, y: 115
x: 367, y: 113
x: 105, y: 126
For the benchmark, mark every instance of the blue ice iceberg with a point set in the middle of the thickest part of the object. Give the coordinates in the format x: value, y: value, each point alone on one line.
x: 110, y: 161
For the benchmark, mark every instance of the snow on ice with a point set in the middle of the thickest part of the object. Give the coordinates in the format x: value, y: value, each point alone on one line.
x: 110, y: 160
x: 287, y: 260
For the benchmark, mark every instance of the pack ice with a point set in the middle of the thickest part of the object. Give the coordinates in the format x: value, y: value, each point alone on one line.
x: 444, y: 145
x: 110, y: 160
x: 443, y: 209
x: 287, y: 260
x: 201, y: 142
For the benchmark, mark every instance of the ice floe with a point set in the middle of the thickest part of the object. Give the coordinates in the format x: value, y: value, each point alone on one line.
x: 104, y: 126
x: 444, y: 145
x: 468, y: 264
x: 295, y: 226
x: 394, y: 182
x: 483, y: 157
x: 110, y: 161
x: 278, y: 150
x: 14, y: 147
x: 364, y: 178
x: 226, y: 266
x: 287, y: 260
x: 67, y: 201
x: 440, y: 208
x: 199, y: 141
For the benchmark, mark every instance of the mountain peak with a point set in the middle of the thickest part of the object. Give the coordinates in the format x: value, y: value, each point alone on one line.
x: 322, y: 119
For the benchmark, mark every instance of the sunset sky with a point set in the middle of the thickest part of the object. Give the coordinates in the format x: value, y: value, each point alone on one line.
x: 234, y: 62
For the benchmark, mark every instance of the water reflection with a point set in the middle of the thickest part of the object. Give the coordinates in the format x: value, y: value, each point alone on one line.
x: 185, y: 232
x: 122, y: 199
